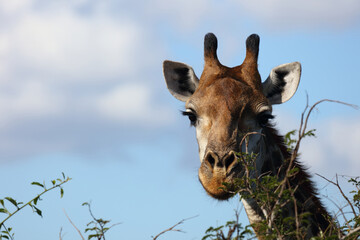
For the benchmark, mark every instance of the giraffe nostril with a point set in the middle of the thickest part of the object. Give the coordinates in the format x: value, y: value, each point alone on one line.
x: 229, y: 160
x: 210, y: 158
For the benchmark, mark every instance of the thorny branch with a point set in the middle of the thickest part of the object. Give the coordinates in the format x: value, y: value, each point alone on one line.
x: 172, y: 229
x: 285, y: 182
x: 302, y: 133
x: 303, y: 124
x: 349, y: 203
x: 340, y: 190
x: 82, y: 237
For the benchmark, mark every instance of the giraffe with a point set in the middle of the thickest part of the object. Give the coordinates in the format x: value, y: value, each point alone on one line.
x: 223, y: 105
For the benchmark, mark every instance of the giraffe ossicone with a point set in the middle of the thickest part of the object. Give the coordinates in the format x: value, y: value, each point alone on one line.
x: 228, y: 103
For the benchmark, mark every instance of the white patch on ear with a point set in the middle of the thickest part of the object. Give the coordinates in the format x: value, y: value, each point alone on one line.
x: 180, y: 79
x: 282, y: 82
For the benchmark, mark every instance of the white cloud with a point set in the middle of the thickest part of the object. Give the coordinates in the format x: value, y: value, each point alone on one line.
x: 10, y: 7
x: 71, y: 46
x: 187, y: 15
x: 90, y: 65
x: 344, y: 139
x: 335, y: 149
x: 20, y: 6
x: 133, y: 103
x: 30, y: 100
x: 71, y: 73
x: 284, y: 15
x: 47, y: 51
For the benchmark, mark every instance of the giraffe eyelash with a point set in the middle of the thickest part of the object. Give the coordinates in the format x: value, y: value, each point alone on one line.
x: 263, y: 118
x: 191, y: 115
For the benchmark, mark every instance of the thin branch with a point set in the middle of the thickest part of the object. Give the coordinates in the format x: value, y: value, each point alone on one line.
x: 60, y: 234
x: 32, y: 200
x: 302, y: 133
x: 340, y: 211
x: 82, y: 237
x: 97, y: 221
x: 244, y: 139
x: 297, y: 223
x: 342, y: 193
x: 303, y: 124
x: 351, y: 232
x: 247, y: 172
x: 7, y: 230
x: 172, y: 229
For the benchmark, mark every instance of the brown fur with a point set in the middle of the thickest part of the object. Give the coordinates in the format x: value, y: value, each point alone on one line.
x: 230, y: 95
x: 229, y: 103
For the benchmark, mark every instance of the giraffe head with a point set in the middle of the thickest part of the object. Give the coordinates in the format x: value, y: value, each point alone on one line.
x: 227, y: 103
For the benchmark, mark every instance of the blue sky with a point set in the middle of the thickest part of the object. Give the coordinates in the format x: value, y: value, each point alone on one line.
x: 82, y: 92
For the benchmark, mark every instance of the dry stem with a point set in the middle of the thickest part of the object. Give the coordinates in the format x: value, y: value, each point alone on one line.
x: 172, y: 229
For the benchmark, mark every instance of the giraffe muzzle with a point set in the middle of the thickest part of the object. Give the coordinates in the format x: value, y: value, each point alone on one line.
x: 216, y: 174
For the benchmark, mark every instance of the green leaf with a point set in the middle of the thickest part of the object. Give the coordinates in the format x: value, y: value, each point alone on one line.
x: 53, y: 182
x: 92, y: 236
x: 37, y: 184
x: 2, y: 202
x: 3, y: 210
x: 38, y: 211
x: 36, y: 200
x: 91, y: 229
x: 63, y: 175
x: 311, y: 133
x: 92, y: 222
x: 12, y: 201
x: 3, y: 236
x: 61, y: 192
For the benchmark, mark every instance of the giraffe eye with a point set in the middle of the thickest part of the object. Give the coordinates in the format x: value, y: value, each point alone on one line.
x: 192, y: 117
x: 264, y: 117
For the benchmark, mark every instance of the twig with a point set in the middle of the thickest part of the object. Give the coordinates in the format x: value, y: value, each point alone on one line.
x: 342, y: 193
x: 244, y: 139
x: 82, y: 237
x: 302, y: 134
x: 32, y: 200
x: 172, y: 229
x: 7, y: 230
x: 351, y: 232
x: 303, y: 124
x: 101, y: 230
x: 340, y: 211
x: 60, y: 234
x: 297, y: 223
x: 247, y: 172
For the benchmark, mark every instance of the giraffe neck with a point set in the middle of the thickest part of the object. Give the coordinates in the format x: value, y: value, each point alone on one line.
x: 271, y: 154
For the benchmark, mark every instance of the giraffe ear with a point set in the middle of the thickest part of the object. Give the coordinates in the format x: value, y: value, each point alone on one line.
x: 282, y: 82
x: 180, y: 79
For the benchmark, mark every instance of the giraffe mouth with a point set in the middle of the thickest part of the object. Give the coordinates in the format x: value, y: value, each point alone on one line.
x: 220, y: 191
x: 219, y: 183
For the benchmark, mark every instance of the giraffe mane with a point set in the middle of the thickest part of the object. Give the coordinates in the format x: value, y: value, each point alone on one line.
x: 305, y: 184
